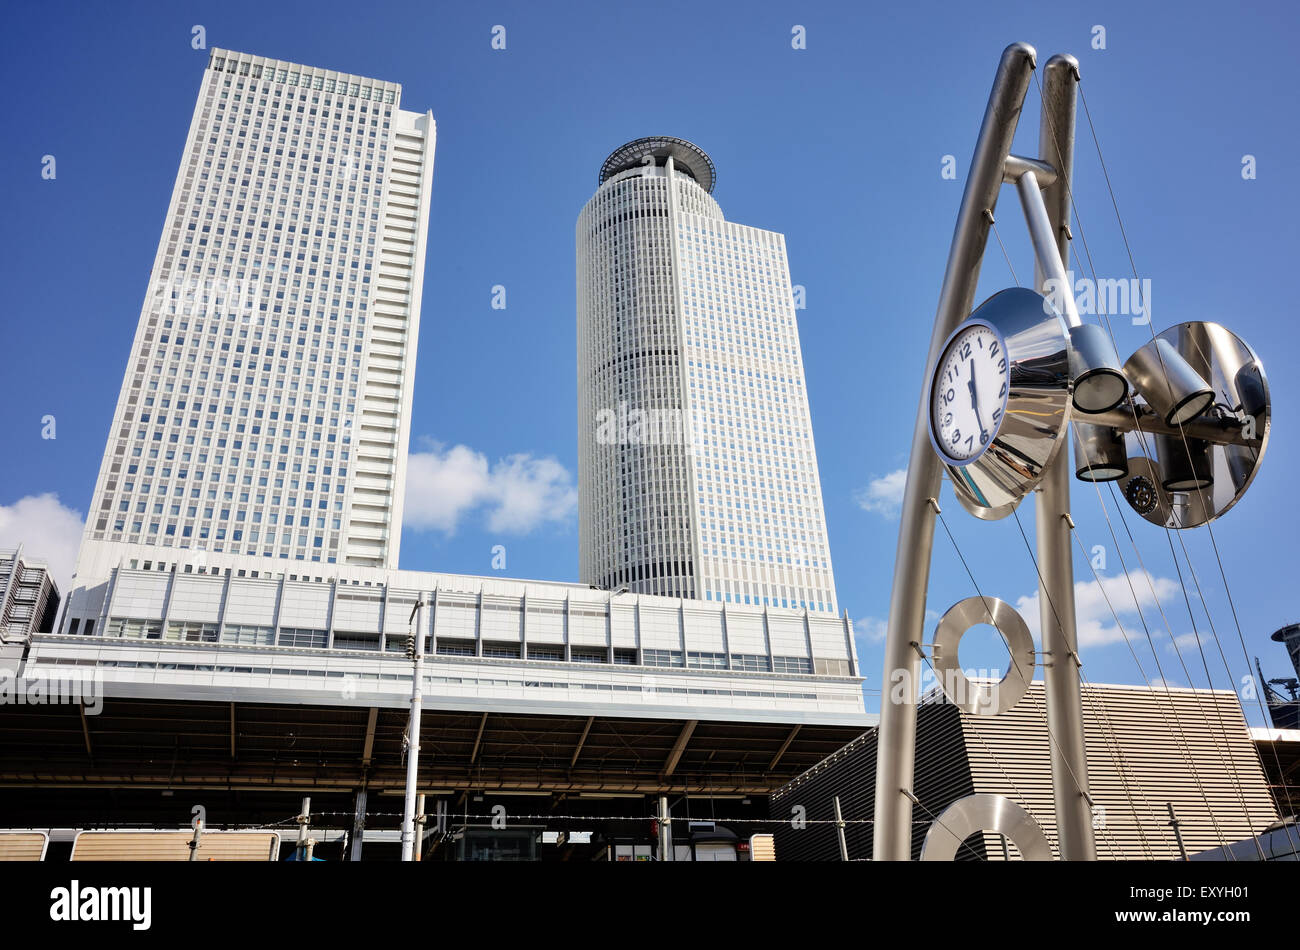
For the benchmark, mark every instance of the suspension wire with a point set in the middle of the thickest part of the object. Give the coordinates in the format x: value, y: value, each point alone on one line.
x: 936, y: 819
x: 553, y: 817
x: 1187, y: 450
x: 1286, y: 788
x: 1205, y: 663
x: 1042, y: 587
x: 1170, y: 723
x: 1176, y: 726
x: 1210, y: 682
x: 994, y: 224
x: 1042, y: 709
x: 1115, y: 751
x: 1136, y: 421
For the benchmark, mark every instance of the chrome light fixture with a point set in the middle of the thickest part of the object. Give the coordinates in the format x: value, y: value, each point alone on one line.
x: 1100, y: 454
x: 1183, y: 484
x: 1099, y: 384
x: 1168, y: 383
x: 1184, y: 467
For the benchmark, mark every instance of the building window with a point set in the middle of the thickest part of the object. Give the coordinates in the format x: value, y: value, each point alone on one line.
x: 662, y: 658
x: 791, y: 664
x: 706, y: 661
x: 448, y: 646
x: 357, y: 641
x: 831, y: 667
x: 751, y: 662
x: 192, y: 632
x: 126, y: 627
x: 303, y: 639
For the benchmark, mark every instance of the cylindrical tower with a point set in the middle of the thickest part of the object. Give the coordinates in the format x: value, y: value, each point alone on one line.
x: 635, y: 521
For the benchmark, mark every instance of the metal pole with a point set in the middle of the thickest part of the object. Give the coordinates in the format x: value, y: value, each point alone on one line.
x: 665, y: 830
x: 1055, y: 559
x: 358, y: 826
x: 1178, y: 835
x: 304, y: 818
x: 198, y: 830
x: 839, y: 827
x: 1048, y: 239
x: 419, y: 828
x: 413, y: 738
x: 896, y: 743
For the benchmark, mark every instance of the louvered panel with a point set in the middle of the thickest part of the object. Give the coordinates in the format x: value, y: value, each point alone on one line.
x: 175, y: 846
x: 1147, y: 748
x: 23, y: 845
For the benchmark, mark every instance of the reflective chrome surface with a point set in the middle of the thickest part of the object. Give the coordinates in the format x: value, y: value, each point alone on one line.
x: 1168, y: 383
x: 983, y: 699
x: 1100, y: 454
x: 1236, y: 377
x: 896, y: 748
x: 984, y: 812
x: 1038, y: 402
x: 1099, y: 383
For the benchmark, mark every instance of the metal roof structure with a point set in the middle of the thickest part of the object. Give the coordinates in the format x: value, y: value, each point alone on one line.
x: 159, y: 743
x: 687, y: 157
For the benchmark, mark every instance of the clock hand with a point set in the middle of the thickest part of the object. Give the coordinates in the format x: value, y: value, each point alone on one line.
x: 974, y: 404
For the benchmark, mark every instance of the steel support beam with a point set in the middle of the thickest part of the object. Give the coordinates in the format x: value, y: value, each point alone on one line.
x: 85, y: 734
x: 368, y: 749
x: 478, y: 739
x: 896, y: 755
x: 784, y: 745
x: 1055, y: 558
x: 582, y: 740
x: 679, y: 747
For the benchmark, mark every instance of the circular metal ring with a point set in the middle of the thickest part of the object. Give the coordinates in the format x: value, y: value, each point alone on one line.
x: 983, y: 699
x: 984, y: 812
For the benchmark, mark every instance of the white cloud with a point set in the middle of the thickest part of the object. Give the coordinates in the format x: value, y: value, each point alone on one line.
x: 871, y: 629
x: 47, y: 530
x: 883, y: 495
x: 517, y: 494
x: 1185, y: 641
x: 1094, y: 620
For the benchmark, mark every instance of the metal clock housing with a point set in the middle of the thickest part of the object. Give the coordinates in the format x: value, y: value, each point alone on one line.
x: 1035, y: 410
x: 1182, y: 481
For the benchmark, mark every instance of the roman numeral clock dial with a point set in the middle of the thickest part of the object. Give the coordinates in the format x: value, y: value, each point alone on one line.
x: 968, y: 394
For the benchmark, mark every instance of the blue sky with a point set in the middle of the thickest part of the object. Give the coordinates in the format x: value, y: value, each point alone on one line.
x: 840, y: 146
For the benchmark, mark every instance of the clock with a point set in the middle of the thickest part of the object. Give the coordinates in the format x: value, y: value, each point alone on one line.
x: 999, y: 400
x: 969, y: 392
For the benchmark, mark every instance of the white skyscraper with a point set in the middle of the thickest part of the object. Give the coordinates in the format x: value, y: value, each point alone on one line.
x: 265, y: 408
x: 240, y: 556
x: 697, y: 470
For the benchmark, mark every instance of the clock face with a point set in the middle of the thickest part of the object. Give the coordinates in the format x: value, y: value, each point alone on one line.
x: 968, y: 394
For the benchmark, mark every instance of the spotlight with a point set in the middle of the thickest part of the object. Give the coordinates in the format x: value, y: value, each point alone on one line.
x: 1251, y: 388
x: 1166, y: 381
x: 1099, y: 383
x: 1184, y: 467
x: 1100, y: 454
